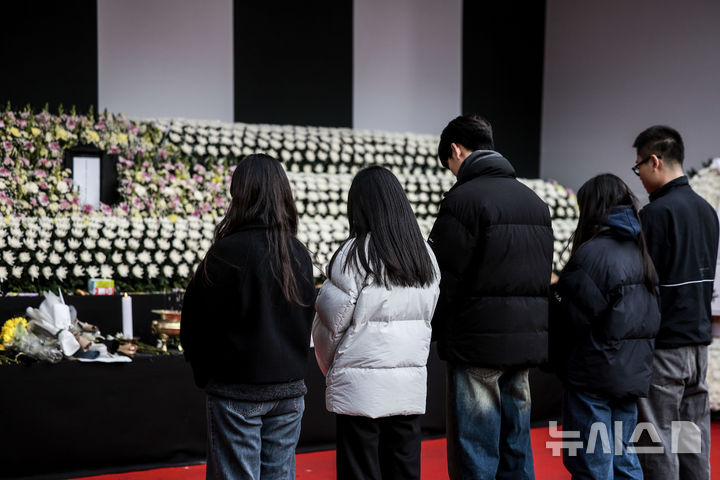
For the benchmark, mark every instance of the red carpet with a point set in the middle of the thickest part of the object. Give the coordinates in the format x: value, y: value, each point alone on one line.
x: 321, y: 465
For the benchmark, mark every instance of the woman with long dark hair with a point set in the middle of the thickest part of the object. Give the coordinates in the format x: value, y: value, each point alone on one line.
x: 602, y: 331
x: 372, y: 331
x: 245, y: 327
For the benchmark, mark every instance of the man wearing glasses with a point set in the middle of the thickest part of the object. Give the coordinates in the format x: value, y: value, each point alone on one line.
x: 681, y: 230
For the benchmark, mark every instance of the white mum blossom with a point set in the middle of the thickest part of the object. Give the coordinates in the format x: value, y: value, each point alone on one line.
x: 120, y: 243
x: 34, y: 271
x: 74, y: 244
x: 89, y: 243
x: 8, y: 257
x: 116, y: 257
x: 138, y: 271
x: 100, y: 257
x: 144, y: 257
x: 152, y: 271
x: 43, y: 244
x: 78, y: 271
x: 168, y: 271
x: 85, y: 256
x: 183, y: 270
x: 47, y: 272
x: 106, y: 271
x: 24, y: 257
x: 104, y: 243
x: 131, y: 257
x: 61, y: 273
x: 123, y: 270
x: 3, y: 273
x: 93, y: 271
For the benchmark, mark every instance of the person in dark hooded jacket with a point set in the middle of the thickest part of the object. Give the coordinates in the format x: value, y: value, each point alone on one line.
x: 602, y: 330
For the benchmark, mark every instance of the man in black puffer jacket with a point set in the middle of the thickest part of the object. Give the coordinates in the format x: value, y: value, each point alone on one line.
x: 494, y: 244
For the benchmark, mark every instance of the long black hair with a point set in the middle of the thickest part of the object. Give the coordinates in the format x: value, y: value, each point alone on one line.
x: 387, y: 243
x: 260, y: 195
x: 596, y: 199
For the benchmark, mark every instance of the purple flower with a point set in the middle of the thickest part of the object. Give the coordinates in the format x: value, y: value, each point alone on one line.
x: 70, y: 124
x: 7, y: 145
x: 4, y: 172
x: 29, y: 147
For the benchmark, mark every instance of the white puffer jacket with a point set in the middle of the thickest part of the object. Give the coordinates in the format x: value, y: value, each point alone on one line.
x: 372, y: 342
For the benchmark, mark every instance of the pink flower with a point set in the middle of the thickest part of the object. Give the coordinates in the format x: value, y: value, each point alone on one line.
x: 4, y: 172
x: 70, y: 124
x: 100, y: 126
x: 134, y: 129
x: 24, y: 161
x: 162, y: 154
x: 54, y: 146
x: 7, y: 145
x: 40, y: 173
x: 86, y: 209
x: 64, y: 204
x: 43, y: 185
x: 22, y: 123
x: 43, y: 199
x: 8, y: 161
x: 106, y: 209
x: 29, y: 147
x: 114, y: 150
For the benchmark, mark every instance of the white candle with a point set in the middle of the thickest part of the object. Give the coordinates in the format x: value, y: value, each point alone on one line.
x: 127, y: 323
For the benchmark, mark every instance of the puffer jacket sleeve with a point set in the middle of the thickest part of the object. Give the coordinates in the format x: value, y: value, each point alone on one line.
x: 334, y: 310
x: 580, y: 298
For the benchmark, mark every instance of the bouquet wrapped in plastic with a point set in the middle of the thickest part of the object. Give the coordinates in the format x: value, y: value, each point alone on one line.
x: 16, y: 336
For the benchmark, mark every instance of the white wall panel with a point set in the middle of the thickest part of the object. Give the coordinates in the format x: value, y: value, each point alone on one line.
x: 407, y: 64
x: 615, y: 67
x: 163, y: 58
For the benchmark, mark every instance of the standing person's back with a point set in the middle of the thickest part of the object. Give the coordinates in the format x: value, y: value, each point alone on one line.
x: 493, y: 241
x: 681, y: 230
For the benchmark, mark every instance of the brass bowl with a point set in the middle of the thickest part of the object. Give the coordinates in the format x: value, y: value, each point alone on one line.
x: 167, y: 328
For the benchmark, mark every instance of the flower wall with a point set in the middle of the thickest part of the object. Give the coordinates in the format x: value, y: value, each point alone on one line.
x: 173, y: 178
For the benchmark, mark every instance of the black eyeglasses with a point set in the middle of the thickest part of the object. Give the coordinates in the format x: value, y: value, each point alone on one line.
x: 636, y: 167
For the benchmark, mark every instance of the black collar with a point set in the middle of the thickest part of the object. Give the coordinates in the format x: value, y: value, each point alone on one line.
x: 665, y: 189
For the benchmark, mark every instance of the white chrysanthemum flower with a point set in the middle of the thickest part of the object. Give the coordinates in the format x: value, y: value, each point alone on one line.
x: 8, y: 257
x: 24, y: 257
x: 74, y: 244
x: 168, y: 271
x: 85, y: 256
x: 120, y: 243
x: 183, y: 270
x: 106, y: 271
x: 175, y: 257
x: 89, y: 243
x: 34, y: 271
x: 78, y: 271
x: 131, y: 257
x: 104, y: 243
x: 116, y: 257
x: 149, y: 244
x: 153, y: 271
x: 123, y: 270
x: 137, y: 271
x: 54, y: 258
x: 133, y: 244
x: 47, y: 272
x: 159, y: 257
x: 43, y: 244
x: 61, y: 273
x: 189, y: 255
x: 100, y: 257
x: 144, y: 257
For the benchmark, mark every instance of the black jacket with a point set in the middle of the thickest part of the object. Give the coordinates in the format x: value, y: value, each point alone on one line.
x: 603, y: 327
x: 238, y: 328
x: 681, y: 230
x: 494, y: 243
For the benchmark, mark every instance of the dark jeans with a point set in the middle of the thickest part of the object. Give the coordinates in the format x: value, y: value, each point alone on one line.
x: 488, y: 423
x: 678, y: 406
x: 378, y: 448
x: 605, y: 427
x: 252, y: 440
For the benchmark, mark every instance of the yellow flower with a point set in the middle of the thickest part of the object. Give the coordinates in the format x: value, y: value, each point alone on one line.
x: 61, y: 133
x: 122, y: 138
x: 92, y: 135
x: 35, y: 131
x: 173, y: 218
x: 7, y: 333
x: 14, y: 132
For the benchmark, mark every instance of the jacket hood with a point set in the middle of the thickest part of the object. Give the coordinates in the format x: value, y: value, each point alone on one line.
x: 487, y: 163
x: 624, y: 222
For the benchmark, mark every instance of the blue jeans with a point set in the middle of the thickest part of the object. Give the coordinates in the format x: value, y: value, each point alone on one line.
x: 594, y: 417
x: 488, y: 423
x: 252, y: 440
